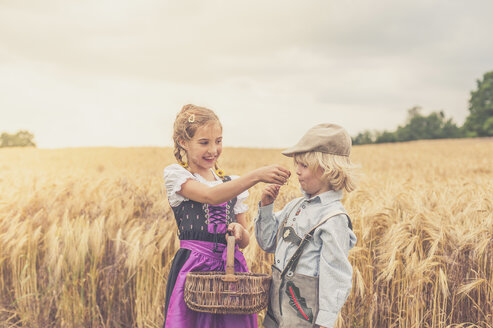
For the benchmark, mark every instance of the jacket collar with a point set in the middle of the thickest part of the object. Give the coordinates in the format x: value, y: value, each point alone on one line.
x: 325, y: 197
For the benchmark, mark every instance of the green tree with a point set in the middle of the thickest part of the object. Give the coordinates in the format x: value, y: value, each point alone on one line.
x: 20, y: 139
x: 451, y: 130
x: 386, y: 136
x: 365, y: 137
x: 479, y: 123
x: 417, y: 127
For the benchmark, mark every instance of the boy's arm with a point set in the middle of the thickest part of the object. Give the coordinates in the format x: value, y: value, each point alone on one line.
x: 336, y: 271
x: 266, y: 225
x: 266, y: 222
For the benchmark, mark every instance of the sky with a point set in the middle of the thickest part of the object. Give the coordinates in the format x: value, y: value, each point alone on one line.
x: 116, y: 72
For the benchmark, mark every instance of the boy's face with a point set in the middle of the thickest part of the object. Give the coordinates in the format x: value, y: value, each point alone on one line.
x: 310, y: 181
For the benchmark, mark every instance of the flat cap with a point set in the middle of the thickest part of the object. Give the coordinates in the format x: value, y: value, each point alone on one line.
x: 325, y: 138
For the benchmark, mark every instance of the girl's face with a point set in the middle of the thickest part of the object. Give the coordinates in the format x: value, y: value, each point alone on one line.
x: 204, y: 148
x: 311, y: 182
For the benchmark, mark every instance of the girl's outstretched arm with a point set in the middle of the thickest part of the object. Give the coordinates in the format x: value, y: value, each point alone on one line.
x: 223, y: 192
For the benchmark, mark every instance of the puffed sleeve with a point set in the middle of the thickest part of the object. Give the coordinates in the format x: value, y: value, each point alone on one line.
x: 240, y: 206
x: 174, y: 177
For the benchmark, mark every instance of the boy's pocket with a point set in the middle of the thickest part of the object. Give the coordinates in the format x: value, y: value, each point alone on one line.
x: 299, y: 302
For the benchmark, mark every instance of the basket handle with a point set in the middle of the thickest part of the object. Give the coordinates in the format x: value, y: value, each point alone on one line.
x: 230, y: 260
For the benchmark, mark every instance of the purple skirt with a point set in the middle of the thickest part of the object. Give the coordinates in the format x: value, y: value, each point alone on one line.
x: 200, y: 257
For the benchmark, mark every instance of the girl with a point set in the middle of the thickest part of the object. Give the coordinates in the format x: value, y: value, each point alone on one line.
x: 206, y: 205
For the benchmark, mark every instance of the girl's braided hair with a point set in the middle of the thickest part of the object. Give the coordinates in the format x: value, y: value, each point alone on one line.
x: 187, y: 121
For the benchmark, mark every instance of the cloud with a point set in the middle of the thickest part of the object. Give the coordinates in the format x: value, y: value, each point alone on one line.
x: 177, y: 42
x: 88, y: 66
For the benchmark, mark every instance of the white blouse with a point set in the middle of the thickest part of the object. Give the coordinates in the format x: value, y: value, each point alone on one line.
x: 175, y: 176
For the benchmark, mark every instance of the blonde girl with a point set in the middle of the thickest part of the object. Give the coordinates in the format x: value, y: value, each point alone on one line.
x: 206, y: 204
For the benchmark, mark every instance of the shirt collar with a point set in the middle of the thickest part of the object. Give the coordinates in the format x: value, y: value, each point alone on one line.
x: 325, y: 197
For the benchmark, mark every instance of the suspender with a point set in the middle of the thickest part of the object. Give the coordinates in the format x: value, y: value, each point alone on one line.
x: 293, y: 261
x: 281, y: 226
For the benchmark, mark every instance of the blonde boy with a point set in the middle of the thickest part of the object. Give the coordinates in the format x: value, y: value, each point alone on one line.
x: 312, y: 235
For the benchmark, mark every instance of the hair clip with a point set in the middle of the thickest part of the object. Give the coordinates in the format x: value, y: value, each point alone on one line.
x: 220, y: 173
x: 191, y: 118
x: 184, y: 164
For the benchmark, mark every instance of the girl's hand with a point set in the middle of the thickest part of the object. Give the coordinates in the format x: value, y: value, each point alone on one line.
x: 273, y: 174
x: 269, y: 194
x: 236, y: 230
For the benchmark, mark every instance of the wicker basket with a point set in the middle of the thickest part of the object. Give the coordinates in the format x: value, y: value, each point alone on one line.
x: 227, y: 293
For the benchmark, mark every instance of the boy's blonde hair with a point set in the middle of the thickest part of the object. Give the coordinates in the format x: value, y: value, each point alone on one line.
x: 187, y: 121
x: 338, y: 171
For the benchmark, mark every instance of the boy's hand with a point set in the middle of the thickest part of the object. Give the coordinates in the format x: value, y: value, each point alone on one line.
x: 269, y: 194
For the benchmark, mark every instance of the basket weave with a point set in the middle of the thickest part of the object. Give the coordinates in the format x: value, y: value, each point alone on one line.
x: 227, y: 292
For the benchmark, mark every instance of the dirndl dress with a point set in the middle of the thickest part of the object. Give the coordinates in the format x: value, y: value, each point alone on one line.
x: 201, y: 230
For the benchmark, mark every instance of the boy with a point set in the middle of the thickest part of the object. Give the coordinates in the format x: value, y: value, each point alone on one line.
x: 312, y: 235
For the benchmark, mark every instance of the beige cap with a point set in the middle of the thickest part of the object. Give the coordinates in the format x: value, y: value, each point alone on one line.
x: 325, y: 138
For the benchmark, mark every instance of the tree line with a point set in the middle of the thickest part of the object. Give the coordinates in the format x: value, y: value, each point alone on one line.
x: 22, y: 138
x: 479, y: 122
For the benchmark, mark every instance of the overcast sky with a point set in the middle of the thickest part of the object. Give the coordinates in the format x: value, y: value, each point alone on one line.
x: 116, y: 72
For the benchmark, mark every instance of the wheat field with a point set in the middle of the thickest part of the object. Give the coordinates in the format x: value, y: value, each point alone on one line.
x: 87, y: 235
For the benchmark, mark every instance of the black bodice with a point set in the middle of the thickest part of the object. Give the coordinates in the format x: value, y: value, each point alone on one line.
x: 204, y: 222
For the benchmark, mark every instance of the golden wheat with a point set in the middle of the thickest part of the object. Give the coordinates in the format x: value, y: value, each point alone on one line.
x: 87, y: 235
